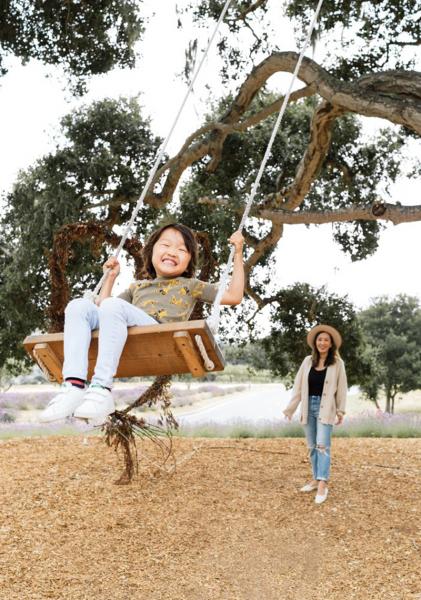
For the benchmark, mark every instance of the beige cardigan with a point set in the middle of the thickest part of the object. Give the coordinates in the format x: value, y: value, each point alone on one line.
x: 333, y: 396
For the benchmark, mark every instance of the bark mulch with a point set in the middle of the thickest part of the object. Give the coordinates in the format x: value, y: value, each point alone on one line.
x: 228, y: 524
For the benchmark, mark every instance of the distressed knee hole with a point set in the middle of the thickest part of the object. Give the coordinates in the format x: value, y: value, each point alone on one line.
x: 322, y: 449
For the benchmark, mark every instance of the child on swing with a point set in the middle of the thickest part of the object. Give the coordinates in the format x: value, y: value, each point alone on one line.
x: 170, y: 294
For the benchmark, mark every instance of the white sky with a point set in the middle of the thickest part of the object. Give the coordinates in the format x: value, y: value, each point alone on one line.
x: 32, y: 105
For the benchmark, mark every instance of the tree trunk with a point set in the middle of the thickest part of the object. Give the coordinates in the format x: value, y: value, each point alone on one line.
x: 393, y: 396
x: 388, y: 400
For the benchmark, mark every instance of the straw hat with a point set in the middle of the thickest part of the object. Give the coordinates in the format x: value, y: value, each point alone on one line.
x: 334, y: 334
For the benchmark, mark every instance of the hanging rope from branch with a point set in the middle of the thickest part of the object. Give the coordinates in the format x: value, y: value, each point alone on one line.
x: 214, y: 317
x: 161, y: 152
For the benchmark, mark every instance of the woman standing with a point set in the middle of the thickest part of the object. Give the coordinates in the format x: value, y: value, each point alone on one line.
x: 321, y: 387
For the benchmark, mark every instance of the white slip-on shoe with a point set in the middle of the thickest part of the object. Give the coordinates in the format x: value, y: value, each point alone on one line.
x: 97, y: 404
x: 320, y: 498
x: 309, y: 487
x: 64, y: 404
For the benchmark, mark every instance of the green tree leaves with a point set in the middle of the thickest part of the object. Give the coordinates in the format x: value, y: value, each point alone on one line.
x: 359, y: 36
x: 295, y: 310
x: 85, y: 38
x: 373, y: 35
x: 392, y: 330
x: 95, y: 174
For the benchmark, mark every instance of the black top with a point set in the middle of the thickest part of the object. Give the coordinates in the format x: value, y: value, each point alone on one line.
x: 316, y: 380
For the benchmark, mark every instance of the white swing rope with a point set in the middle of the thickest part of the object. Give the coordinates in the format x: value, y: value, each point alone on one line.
x: 214, y: 317
x: 159, y: 156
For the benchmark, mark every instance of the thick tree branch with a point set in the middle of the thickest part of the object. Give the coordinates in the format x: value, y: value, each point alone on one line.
x: 352, y: 97
x: 314, y: 156
x: 392, y: 95
x: 378, y: 212
x: 388, y: 83
x: 195, y: 149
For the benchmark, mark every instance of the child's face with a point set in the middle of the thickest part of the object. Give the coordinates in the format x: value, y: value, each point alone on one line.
x: 170, y: 256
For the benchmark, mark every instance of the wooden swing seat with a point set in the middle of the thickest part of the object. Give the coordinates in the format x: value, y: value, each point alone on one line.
x: 164, y: 349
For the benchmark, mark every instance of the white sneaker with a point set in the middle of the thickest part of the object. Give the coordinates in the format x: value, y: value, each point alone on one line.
x: 97, y: 404
x: 309, y: 487
x: 320, y: 498
x: 64, y: 404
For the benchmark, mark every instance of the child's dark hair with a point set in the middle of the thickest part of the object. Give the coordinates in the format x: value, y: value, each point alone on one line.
x: 189, y: 240
x: 332, y: 353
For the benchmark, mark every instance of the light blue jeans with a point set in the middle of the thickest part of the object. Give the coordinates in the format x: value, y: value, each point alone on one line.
x: 318, y: 440
x: 112, y: 318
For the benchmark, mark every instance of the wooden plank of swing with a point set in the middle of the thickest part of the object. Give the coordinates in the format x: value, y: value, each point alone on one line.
x: 45, y: 354
x: 149, y: 350
x: 187, y: 348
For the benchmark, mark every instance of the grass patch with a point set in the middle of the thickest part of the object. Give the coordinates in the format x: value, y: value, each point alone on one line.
x: 28, y: 430
x: 242, y: 374
x: 396, y: 426
x: 239, y: 430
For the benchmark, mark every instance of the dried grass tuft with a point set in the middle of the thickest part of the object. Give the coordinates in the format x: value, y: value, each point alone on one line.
x: 122, y: 428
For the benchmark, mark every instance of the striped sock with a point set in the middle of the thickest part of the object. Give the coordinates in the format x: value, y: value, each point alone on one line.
x: 98, y: 385
x: 79, y: 383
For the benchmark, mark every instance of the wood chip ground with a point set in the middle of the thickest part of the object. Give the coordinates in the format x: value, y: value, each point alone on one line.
x: 228, y: 524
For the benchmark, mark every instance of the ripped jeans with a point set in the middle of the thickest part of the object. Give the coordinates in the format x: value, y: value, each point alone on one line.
x: 318, y: 440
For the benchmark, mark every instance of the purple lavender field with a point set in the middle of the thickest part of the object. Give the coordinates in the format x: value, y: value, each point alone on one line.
x: 368, y: 425
x: 211, y: 405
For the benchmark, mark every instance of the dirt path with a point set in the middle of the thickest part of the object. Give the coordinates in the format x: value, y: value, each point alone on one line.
x: 228, y: 525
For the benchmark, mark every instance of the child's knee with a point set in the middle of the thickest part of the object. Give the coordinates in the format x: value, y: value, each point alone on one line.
x: 110, y: 305
x: 78, y: 306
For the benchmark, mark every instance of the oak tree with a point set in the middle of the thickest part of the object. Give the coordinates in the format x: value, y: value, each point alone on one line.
x: 323, y: 169
x: 85, y: 38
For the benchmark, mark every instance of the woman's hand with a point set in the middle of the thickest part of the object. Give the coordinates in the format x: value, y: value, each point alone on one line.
x: 237, y: 241
x: 112, y: 267
x: 339, y: 419
x: 287, y: 417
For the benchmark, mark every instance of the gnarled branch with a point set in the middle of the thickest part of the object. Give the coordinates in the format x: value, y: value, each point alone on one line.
x: 392, y: 95
x: 390, y: 212
x: 379, y: 211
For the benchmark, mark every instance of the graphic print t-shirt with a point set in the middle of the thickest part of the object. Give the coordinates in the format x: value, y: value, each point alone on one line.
x: 169, y: 299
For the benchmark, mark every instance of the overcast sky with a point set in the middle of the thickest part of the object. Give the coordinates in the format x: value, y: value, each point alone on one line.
x: 32, y: 105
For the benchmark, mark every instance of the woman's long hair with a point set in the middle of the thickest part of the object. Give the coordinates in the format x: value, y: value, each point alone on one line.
x: 332, y: 353
x: 189, y: 240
